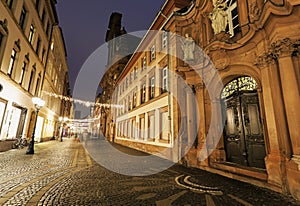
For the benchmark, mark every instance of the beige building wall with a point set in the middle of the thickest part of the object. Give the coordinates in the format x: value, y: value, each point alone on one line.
x: 26, y: 30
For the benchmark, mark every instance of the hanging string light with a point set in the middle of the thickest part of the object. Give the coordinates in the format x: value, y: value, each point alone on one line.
x: 82, y: 102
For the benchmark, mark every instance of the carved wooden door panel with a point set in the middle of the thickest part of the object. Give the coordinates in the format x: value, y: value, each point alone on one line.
x: 244, y: 141
x: 234, y: 139
x: 254, y: 139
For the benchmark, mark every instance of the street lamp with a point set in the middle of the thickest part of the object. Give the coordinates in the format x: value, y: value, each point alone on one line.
x: 38, y: 103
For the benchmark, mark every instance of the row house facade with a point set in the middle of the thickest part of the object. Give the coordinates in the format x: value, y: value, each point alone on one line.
x: 29, y: 33
x: 237, y: 113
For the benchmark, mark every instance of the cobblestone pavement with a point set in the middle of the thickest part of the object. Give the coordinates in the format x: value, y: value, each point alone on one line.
x: 63, y: 173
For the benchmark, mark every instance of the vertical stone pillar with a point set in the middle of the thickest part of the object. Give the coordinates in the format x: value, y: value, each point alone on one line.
x: 202, y: 153
x: 284, y: 49
x: 146, y: 129
x: 190, y: 118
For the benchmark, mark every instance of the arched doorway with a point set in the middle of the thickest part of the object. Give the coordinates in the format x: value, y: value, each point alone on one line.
x: 243, y: 133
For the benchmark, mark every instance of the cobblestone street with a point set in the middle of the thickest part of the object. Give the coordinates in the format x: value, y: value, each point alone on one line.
x: 63, y: 173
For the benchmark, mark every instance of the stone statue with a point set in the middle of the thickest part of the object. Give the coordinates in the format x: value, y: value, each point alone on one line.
x: 218, y: 16
x: 188, y: 47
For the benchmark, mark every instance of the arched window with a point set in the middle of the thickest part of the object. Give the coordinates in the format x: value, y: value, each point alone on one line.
x: 244, y: 83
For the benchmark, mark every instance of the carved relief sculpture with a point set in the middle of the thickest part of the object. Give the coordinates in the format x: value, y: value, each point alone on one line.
x: 218, y: 16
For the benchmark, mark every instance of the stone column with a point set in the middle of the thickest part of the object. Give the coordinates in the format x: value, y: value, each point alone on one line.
x: 146, y: 129
x: 202, y: 154
x: 290, y: 90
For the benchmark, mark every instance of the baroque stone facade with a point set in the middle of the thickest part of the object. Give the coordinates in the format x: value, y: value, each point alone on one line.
x: 248, y: 127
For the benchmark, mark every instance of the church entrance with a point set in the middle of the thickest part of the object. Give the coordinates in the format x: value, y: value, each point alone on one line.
x: 243, y: 133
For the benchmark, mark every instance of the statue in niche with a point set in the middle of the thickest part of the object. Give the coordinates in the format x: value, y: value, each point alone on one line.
x: 188, y: 47
x: 218, y: 16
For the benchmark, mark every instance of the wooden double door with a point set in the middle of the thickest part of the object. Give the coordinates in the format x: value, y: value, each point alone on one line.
x: 243, y: 133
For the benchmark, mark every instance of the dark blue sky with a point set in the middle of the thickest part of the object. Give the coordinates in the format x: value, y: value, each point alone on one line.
x: 84, y: 24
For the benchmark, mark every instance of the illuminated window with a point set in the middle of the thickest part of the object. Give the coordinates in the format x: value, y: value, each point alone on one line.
x: 144, y: 63
x: 233, y: 18
x: 10, y: 3
x: 152, y: 52
x: 239, y: 84
x: 31, y: 34
x: 165, y: 80
x: 22, y: 18
x: 12, y: 62
x: 134, y: 99
x: 135, y: 72
x: 143, y: 93
x: 152, y: 87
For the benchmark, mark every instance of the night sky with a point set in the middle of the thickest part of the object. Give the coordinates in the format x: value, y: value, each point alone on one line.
x: 84, y: 24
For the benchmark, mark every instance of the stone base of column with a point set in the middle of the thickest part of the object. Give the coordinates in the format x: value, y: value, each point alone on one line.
x: 293, y: 176
x: 273, y: 166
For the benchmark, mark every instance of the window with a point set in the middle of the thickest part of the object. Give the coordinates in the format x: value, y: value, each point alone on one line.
x: 38, y: 45
x: 48, y: 29
x: 10, y: 3
x: 152, y: 87
x: 22, y: 73
x: 37, y: 5
x: 37, y: 85
x: 135, y: 72
x: 1, y: 38
x: 164, y: 126
x: 43, y: 54
x: 126, y: 82
x: 134, y: 99
x: 12, y: 62
x: 129, y: 103
x: 164, y: 39
x: 31, y: 34
x: 164, y: 80
x: 31, y: 79
x: 43, y: 16
x: 152, y: 52
x: 22, y: 18
x: 144, y: 63
x: 143, y: 93
x: 233, y: 18
x: 131, y: 75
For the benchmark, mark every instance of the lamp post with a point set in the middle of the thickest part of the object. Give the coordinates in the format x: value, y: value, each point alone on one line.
x: 38, y: 103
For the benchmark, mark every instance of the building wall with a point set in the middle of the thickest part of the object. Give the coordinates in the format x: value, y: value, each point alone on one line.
x: 263, y: 47
x: 25, y: 37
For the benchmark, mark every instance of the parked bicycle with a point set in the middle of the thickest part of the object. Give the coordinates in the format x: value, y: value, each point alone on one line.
x: 20, y: 142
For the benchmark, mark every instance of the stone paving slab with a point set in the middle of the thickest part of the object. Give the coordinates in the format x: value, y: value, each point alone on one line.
x: 63, y: 173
